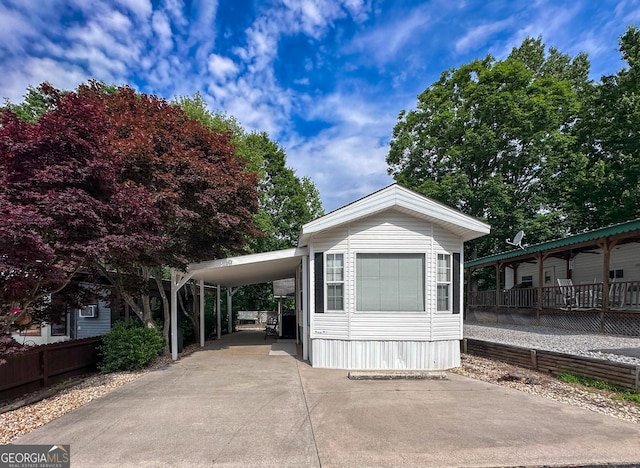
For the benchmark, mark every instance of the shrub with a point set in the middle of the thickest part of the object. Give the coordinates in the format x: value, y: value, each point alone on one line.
x: 129, y: 347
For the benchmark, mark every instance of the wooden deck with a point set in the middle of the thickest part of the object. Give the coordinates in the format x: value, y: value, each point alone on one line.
x: 621, y: 296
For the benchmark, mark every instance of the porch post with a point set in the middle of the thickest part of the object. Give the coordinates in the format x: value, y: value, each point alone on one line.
x: 468, y: 302
x: 540, y: 260
x: 606, y: 259
x: 177, y: 281
x: 497, y: 286
x: 229, y: 310
x: 218, y: 317
x: 201, y: 313
x: 174, y: 315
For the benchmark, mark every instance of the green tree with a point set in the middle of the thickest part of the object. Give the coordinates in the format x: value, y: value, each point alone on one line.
x: 488, y: 139
x: 286, y: 201
x: 606, y: 185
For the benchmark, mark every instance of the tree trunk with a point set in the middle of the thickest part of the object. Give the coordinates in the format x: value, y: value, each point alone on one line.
x: 147, y: 317
x: 192, y: 312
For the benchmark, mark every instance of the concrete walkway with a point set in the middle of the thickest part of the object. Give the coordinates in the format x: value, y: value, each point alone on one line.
x: 234, y: 404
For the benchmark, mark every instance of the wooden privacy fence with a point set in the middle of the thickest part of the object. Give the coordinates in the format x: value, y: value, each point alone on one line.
x: 47, y: 365
x: 621, y: 374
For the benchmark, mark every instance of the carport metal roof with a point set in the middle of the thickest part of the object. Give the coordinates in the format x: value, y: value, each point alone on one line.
x: 248, y: 269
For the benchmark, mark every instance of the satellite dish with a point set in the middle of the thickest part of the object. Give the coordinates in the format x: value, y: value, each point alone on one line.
x: 517, y: 240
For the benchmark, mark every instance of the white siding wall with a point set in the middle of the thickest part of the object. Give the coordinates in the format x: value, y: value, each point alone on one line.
x: 370, y: 340
x: 588, y: 266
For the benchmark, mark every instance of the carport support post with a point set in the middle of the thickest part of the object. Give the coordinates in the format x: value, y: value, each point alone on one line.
x: 174, y: 315
x: 177, y: 281
x: 218, y: 317
x: 201, y: 313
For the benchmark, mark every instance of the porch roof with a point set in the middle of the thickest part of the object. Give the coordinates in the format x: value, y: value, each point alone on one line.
x: 622, y: 229
x: 248, y: 269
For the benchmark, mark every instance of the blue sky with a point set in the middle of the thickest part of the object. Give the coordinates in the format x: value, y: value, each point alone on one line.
x: 326, y: 79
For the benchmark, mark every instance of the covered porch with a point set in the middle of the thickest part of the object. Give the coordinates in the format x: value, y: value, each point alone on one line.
x: 590, y: 281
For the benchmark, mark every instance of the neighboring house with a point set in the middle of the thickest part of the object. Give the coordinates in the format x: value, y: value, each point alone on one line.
x: 589, y: 281
x: 378, y: 282
x: 92, y: 320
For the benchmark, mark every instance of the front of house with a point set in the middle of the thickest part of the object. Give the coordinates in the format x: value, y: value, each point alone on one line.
x: 378, y: 282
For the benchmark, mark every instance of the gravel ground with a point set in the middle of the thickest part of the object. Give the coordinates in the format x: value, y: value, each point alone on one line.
x: 20, y: 421
x: 618, y: 348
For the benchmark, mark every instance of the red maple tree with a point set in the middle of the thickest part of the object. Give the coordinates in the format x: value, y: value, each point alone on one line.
x: 62, y: 205
x: 205, y: 197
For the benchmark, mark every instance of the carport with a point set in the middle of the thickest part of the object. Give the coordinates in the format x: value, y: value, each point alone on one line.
x: 233, y: 273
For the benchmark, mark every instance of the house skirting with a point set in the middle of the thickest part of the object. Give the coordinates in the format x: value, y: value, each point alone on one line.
x: 382, y: 355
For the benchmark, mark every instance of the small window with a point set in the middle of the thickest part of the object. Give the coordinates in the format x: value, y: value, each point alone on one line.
x: 335, y: 281
x: 615, y: 274
x: 527, y: 281
x: 444, y: 283
x: 59, y: 329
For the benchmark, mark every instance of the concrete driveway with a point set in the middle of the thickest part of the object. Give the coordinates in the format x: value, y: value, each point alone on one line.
x: 234, y: 404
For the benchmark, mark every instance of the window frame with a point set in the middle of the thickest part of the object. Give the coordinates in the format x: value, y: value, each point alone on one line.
x: 397, y: 255
x: 448, y: 282
x: 329, y: 269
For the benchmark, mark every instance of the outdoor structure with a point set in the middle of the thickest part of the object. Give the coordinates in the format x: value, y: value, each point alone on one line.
x: 589, y: 282
x: 378, y: 282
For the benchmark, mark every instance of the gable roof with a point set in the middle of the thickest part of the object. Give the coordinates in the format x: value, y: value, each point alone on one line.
x: 402, y: 199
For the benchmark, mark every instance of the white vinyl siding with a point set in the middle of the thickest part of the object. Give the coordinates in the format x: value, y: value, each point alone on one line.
x: 389, y: 232
x: 390, y: 282
x: 587, y: 266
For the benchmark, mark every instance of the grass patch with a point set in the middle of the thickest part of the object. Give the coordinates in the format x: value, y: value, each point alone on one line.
x: 619, y: 392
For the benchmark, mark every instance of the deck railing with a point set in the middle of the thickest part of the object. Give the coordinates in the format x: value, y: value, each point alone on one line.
x: 621, y: 295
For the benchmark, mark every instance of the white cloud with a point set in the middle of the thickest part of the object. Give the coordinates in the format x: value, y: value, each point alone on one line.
x: 478, y: 37
x: 141, y: 8
x: 14, y: 81
x: 162, y: 29
x: 115, y: 21
x: 343, y: 166
x: 347, y: 160
x: 385, y: 42
x: 222, y: 68
x: 14, y: 29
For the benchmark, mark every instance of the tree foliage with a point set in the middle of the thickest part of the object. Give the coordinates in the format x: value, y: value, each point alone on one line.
x: 606, y: 179
x: 61, y: 205
x: 204, y: 197
x: 108, y: 177
x: 286, y: 201
x: 489, y: 137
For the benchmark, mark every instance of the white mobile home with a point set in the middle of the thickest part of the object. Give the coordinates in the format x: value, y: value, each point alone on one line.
x: 379, y: 282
